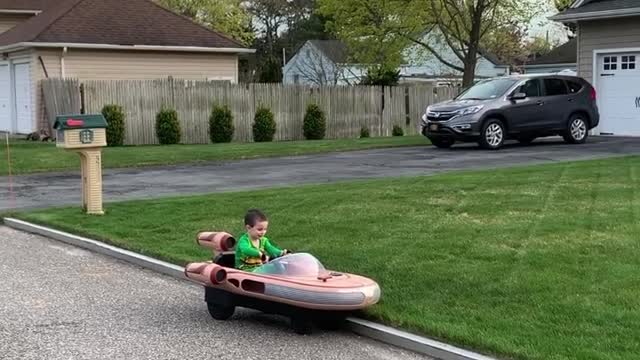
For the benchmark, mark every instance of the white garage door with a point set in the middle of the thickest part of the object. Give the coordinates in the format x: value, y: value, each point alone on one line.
x: 5, y: 98
x: 619, y: 93
x: 23, y: 98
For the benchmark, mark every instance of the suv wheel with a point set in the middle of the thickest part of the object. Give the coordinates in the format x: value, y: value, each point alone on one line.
x: 492, y: 135
x: 577, y: 131
x: 442, y: 143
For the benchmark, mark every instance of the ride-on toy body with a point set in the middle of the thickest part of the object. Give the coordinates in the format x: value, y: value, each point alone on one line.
x: 295, y: 285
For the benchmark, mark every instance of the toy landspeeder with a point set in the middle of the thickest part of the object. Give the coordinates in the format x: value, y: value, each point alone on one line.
x: 295, y: 285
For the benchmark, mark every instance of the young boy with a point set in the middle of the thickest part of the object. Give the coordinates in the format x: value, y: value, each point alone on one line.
x: 253, y: 245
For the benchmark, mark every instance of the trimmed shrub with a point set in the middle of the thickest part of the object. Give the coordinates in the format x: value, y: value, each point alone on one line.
x: 380, y: 76
x: 397, y: 131
x: 221, y: 125
x: 168, y: 127
x: 264, y: 126
x: 364, y: 132
x: 315, y: 124
x: 115, y: 124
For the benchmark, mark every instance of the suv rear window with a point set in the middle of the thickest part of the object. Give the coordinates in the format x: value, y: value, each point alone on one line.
x: 555, y: 87
x: 574, y: 87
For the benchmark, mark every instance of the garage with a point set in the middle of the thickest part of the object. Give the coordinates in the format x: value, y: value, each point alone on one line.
x: 16, y: 98
x: 618, y: 86
x: 5, y: 98
x: 608, y: 55
x: 23, y: 103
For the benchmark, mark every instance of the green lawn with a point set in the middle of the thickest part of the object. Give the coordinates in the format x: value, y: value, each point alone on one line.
x: 529, y: 263
x: 30, y: 157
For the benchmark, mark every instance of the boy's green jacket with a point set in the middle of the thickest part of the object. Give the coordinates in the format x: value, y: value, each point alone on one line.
x: 248, y: 256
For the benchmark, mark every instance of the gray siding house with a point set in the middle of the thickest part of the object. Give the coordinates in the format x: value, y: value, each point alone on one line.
x: 608, y: 55
x: 559, y: 60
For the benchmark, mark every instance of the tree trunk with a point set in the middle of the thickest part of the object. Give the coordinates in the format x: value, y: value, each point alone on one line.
x: 470, y: 61
x: 471, y: 58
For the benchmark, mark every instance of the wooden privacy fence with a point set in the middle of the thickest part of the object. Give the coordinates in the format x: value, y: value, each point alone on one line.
x: 347, y: 108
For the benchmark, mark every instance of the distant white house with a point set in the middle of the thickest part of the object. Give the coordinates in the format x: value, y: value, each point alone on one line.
x: 326, y: 62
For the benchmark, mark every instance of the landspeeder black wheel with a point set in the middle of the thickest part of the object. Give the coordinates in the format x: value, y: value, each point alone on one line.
x: 220, y: 312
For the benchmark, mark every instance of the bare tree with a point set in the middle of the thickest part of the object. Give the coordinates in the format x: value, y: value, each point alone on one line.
x: 314, y: 67
x: 272, y: 16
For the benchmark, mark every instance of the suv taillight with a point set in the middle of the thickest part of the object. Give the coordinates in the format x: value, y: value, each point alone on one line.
x: 593, y: 94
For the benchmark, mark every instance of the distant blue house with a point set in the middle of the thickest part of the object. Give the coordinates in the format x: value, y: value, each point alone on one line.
x: 326, y: 62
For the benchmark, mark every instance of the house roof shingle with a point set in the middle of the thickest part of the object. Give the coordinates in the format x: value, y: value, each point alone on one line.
x: 494, y: 59
x: 566, y: 53
x: 114, y: 22
x: 335, y: 50
x: 599, y: 6
x: 25, y: 4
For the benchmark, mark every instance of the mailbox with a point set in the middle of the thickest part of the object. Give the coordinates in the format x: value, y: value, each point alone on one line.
x: 80, y: 131
x: 86, y: 135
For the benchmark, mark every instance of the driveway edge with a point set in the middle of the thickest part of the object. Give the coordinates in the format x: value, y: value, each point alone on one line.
x: 361, y: 327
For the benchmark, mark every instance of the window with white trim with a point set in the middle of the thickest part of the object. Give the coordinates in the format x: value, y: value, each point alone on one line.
x: 611, y: 63
x: 628, y: 62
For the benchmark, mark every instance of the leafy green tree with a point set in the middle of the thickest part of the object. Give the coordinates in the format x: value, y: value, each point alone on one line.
x: 463, y: 25
x: 369, y: 28
x: 562, y: 5
x: 379, y: 31
x: 226, y: 16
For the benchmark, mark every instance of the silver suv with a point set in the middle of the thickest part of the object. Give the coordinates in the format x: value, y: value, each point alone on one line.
x: 521, y: 107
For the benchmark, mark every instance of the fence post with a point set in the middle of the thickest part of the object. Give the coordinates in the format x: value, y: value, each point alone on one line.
x: 173, y: 92
x: 82, y: 99
x: 381, y: 111
x: 407, y: 106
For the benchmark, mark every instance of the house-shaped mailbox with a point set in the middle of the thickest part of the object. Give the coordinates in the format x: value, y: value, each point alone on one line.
x: 80, y: 131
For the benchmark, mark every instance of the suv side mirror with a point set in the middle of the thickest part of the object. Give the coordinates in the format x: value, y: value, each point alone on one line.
x: 518, y: 96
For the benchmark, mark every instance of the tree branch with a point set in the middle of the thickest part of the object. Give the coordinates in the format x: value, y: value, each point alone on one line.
x: 312, y: 67
x: 446, y: 31
x: 435, y: 53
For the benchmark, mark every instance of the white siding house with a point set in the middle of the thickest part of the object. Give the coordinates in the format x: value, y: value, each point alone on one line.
x: 325, y: 62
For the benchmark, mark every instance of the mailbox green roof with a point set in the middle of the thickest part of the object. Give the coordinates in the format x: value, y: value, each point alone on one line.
x: 84, y: 121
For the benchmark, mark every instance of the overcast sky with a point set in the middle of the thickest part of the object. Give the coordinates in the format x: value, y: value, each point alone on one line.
x: 540, y: 25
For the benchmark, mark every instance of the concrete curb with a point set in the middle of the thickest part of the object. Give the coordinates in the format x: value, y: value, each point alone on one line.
x: 99, y: 247
x: 361, y: 327
x: 410, y: 341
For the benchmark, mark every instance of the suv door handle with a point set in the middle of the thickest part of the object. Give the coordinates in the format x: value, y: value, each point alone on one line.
x: 540, y: 102
x: 572, y: 99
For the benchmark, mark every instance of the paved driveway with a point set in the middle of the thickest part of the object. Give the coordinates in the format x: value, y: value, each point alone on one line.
x: 64, y: 188
x: 62, y: 302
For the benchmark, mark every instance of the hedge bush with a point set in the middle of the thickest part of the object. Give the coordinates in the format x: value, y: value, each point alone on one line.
x: 364, y: 132
x: 397, y: 131
x: 315, y: 124
x: 115, y: 124
x: 264, y: 126
x: 168, y: 127
x: 221, y: 125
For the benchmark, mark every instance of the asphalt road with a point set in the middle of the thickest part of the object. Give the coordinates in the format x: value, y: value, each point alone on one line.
x: 122, y: 184
x: 62, y: 302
